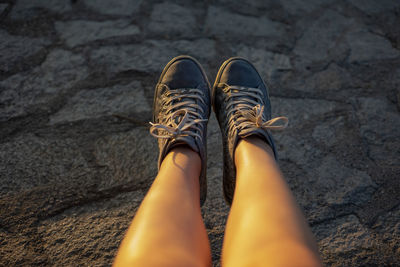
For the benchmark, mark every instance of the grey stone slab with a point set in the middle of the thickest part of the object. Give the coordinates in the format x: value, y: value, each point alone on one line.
x: 131, y: 157
x: 22, y: 91
x: 388, y: 226
x: 367, y: 46
x: 327, y: 132
x: 327, y: 180
x: 321, y: 181
x: 300, y: 111
x: 3, y: 7
x: 302, y: 7
x: 94, y: 103
x: 18, y: 250
x: 297, y: 149
x: 239, y: 6
x: 121, y: 7
x: 378, y: 115
x: 221, y: 22
x: 332, y: 36
x: 30, y: 161
x: 150, y: 56
x: 339, y: 239
x: 372, y: 7
x: 24, y: 9
x: 89, y: 233
x: 61, y: 69
x: 203, y: 49
x: 321, y: 40
x: 172, y: 19
x: 339, y: 184
x: 16, y: 50
x: 266, y: 62
x: 252, y: 7
x: 331, y: 79
x: 398, y: 98
x: 79, y: 32
x: 379, y: 126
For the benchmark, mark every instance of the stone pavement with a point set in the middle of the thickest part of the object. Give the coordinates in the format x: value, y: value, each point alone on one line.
x: 72, y: 175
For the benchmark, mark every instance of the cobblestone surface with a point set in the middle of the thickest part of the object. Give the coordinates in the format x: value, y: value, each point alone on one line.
x: 72, y: 175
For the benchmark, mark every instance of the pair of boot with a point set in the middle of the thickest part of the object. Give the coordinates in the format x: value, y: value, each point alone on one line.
x: 182, y: 105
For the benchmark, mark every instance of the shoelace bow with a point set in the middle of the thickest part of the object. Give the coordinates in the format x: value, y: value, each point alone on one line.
x: 180, y: 117
x: 244, y: 111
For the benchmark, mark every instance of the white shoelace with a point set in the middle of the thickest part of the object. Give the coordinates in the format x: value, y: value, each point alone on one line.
x: 244, y: 111
x: 182, y: 117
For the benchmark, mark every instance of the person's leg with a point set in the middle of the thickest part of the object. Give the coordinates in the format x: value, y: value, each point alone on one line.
x: 265, y: 226
x: 168, y: 229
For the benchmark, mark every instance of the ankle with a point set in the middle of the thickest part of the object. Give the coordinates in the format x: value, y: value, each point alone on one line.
x: 185, y: 150
x: 183, y: 157
x: 251, y: 149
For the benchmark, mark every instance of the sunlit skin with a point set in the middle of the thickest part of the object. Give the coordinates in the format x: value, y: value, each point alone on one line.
x: 265, y: 226
x: 168, y: 229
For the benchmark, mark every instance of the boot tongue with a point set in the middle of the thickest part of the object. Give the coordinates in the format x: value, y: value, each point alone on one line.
x: 178, y: 141
x: 181, y: 140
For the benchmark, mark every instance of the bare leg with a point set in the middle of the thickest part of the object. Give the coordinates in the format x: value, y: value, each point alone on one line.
x: 265, y: 226
x: 168, y: 229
